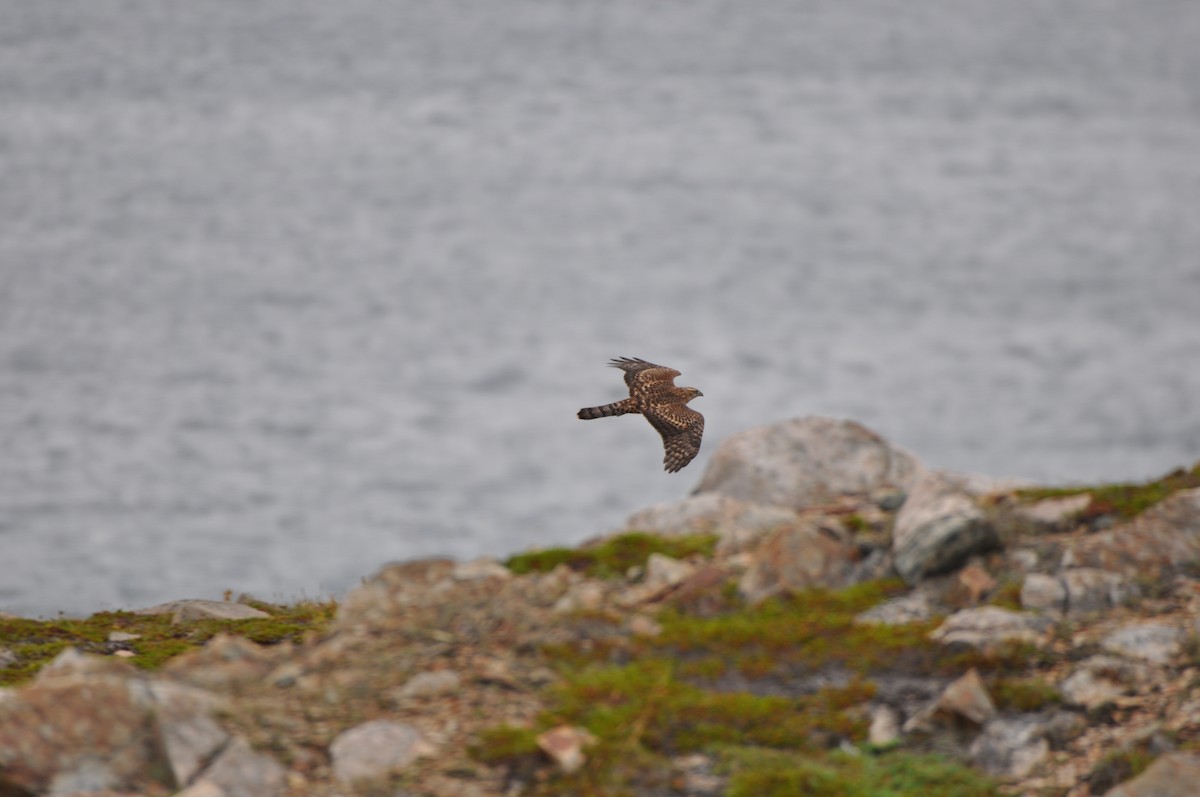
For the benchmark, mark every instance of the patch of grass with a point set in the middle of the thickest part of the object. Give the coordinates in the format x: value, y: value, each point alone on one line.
x: 613, y: 557
x: 1126, y: 499
x: 36, y: 642
x: 1023, y: 694
x: 505, y: 744
x: 768, y: 773
x: 644, y: 703
x: 809, y: 631
x: 1007, y: 596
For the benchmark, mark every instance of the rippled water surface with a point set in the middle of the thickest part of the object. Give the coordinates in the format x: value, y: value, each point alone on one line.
x: 291, y: 289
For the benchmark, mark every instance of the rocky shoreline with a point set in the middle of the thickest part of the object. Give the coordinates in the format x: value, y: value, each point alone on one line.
x: 823, y: 615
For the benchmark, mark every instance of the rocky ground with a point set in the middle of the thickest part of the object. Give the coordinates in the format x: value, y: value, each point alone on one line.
x: 823, y: 616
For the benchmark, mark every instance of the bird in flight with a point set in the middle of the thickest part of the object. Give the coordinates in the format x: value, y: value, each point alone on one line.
x: 652, y: 393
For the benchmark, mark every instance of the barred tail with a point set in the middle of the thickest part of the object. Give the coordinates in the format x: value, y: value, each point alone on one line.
x: 616, y: 408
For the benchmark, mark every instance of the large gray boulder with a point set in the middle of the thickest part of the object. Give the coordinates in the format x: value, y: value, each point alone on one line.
x: 807, y: 461
x: 939, y: 527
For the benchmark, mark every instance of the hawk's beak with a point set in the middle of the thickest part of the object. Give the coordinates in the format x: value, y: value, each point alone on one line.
x: 698, y: 393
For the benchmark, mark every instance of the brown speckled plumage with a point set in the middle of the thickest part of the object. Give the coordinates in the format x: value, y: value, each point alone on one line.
x: 652, y: 393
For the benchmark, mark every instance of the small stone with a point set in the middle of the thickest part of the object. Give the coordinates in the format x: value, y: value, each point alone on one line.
x: 665, y: 571
x: 122, y: 636
x: 375, y: 749
x: 483, y: 567
x: 643, y: 626
x: 1155, y: 642
x: 124, y: 654
x: 564, y: 745
x: 1043, y: 593
x: 587, y: 596
x: 976, y: 581
x: 967, y: 697
x: 988, y: 625
x: 1053, y: 514
x: 911, y: 608
x: 1093, y: 591
x: 7, y: 657
x: 1102, y: 679
x: 885, y: 726
x: 430, y: 684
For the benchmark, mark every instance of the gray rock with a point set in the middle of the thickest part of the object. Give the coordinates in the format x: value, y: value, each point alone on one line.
x: 985, y: 626
x: 190, y: 610
x: 1011, y: 746
x: 185, y: 731
x: 665, y: 571
x: 483, y: 567
x: 7, y: 658
x: 911, y: 608
x: 1152, y: 641
x: 938, y: 528
x: 374, y: 749
x: 1091, y: 591
x: 1102, y: 679
x: 1052, y: 514
x: 796, y: 558
x: 1162, y: 541
x: 430, y: 684
x: 806, y: 461
x: 967, y: 697
x: 1044, y: 593
x: 1172, y: 775
x: 239, y: 771
x: 739, y: 524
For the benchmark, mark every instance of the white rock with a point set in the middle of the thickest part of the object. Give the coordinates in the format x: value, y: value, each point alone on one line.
x: 375, y: 749
x: 1102, y: 679
x: 483, y: 567
x: 565, y: 745
x: 239, y: 771
x: 987, y: 625
x: 1053, y: 512
x: 1153, y: 641
x: 911, y: 608
x: 1011, y: 747
x: 885, y: 726
x: 430, y: 684
x: 1092, y: 591
x: 665, y: 571
x: 1041, y: 592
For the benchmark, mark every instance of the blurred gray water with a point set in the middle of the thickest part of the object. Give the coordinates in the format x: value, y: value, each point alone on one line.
x: 291, y: 289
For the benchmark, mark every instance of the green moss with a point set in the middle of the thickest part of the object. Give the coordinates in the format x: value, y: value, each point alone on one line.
x: 808, y: 630
x: 1125, y: 500
x: 1007, y: 596
x: 1024, y: 694
x: 856, y: 523
x: 36, y: 642
x: 505, y: 744
x: 613, y: 557
x: 767, y: 773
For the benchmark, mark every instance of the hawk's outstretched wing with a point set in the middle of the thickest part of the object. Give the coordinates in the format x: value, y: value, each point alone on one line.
x: 652, y: 392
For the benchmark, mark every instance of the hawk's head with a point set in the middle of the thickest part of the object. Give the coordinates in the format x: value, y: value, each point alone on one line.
x: 691, y: 393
